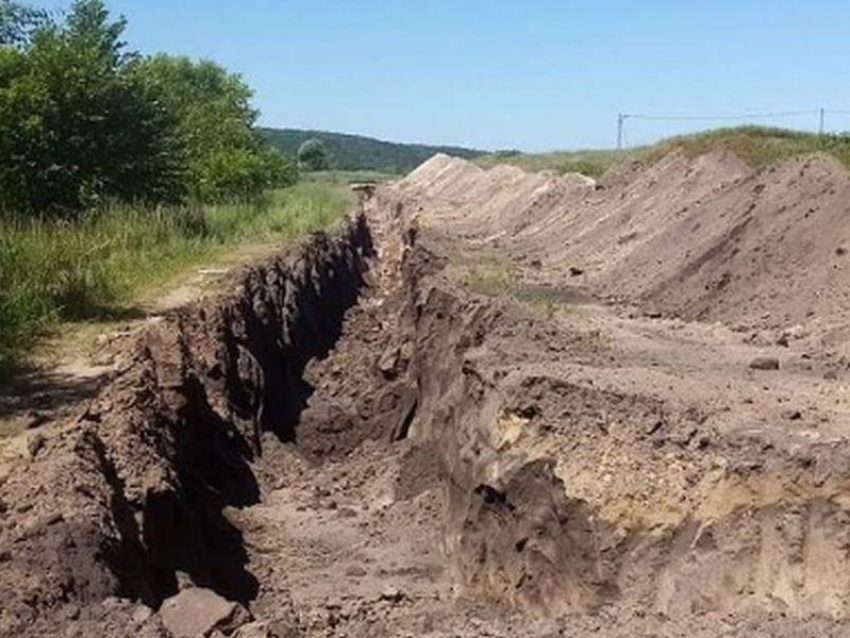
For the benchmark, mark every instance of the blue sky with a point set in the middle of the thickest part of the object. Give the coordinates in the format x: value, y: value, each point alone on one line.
x: 533, y: 75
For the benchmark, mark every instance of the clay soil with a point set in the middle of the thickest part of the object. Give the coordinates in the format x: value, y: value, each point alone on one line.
x: 491, y: 403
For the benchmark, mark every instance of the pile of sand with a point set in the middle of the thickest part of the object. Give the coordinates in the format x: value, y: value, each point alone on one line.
x: 703, y: 237
x: 486, y: 203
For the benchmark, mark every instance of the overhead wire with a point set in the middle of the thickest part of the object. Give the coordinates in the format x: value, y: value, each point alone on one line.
x: 742, y: 116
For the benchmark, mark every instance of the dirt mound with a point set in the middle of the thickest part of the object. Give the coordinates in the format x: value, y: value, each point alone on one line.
x: 701, y: 238
x: 486, y: 204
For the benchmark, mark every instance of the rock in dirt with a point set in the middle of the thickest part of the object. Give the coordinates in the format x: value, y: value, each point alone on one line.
x: 392, y: 595
x: 199, y: 612
x: 34, y: 444
x: 765, y: 363
x: 388, y: 364
x: 356, y: 571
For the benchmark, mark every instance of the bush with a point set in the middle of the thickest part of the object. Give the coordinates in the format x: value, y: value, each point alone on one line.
x: 313, y: 156
x: 224, y: 157
x: 75, y: 127
x: 83, y: 121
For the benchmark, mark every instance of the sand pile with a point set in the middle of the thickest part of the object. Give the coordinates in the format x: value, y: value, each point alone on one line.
x: 486, y: 204
x: 702, y: 237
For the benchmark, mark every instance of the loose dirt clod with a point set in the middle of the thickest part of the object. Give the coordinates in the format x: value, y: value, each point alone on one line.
x: 361, y: 439
x: 765, y: 363
x: 199, y: 612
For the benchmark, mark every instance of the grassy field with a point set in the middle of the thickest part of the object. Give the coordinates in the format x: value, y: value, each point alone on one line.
x: 95, y: 268
x: 345, y: 178
x: 587, y: 162
x: 757, y: 146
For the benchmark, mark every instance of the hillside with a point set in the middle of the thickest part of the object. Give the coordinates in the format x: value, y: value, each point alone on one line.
x: 357, y: 152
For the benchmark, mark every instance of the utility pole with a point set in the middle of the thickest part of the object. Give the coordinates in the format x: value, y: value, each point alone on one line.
x: 821, y: 127
x: 620, y: 118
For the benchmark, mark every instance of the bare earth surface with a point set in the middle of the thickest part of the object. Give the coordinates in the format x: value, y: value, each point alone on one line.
x: 491, y: 404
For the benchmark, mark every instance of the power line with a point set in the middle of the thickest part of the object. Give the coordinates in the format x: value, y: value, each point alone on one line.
x: 743, y: 116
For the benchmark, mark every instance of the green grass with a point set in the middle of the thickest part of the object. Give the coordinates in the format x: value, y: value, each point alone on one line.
x: 95, y: 267
x: 757, y: 146
x: 349, y: 177
x: 492, y: 277
x: 587, y: 162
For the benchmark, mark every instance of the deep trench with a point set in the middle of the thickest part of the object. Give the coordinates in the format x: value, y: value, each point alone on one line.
x: 512, y: 530
x: 285, y: 315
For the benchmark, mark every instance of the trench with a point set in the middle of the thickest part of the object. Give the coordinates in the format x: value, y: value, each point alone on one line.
x: 319, y: 352
x: 515, y: 529
x: 220, y: 379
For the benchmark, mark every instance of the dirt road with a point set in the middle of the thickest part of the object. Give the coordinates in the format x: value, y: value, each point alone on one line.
x: 493, y: 404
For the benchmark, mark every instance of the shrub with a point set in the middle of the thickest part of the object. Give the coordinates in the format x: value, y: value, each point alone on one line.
x: 313, y: 156
x: 77, y: 129
x: 224, y: 157
x: 83, y: 121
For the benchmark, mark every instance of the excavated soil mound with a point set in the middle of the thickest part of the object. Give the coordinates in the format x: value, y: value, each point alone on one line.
x: 701, y: 238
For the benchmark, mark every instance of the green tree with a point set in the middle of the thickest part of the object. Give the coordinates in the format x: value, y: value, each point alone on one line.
x: 215, y: 120
x: 313, y: 156
x: 83, y: 119
x: 75, y: 126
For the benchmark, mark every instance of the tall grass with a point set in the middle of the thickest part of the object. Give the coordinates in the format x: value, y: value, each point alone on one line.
x: 757, y: 146
x: 94, y: 266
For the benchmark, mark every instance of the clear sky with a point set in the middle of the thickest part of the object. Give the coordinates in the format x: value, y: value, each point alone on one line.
x: 533, y: 75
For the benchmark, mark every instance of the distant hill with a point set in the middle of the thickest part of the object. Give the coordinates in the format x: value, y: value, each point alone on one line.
x: 356, y: 152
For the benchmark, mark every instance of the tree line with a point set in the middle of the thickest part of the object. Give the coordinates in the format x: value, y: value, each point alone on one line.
x: 85, y: 120
x: 345, y: 152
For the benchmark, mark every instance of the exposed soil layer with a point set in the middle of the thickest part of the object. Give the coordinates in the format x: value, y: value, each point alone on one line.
x: 362, y: 440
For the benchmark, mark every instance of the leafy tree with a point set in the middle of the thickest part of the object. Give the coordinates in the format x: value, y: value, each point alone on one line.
x: 75, y: 126
x: 281, y: 170
x: 215, y: 120
x: 313, y: 156
x: 83, y: 119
